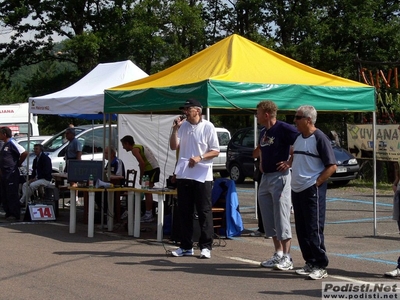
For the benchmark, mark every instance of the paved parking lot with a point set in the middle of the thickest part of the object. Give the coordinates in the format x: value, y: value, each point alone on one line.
x: 43, y: 261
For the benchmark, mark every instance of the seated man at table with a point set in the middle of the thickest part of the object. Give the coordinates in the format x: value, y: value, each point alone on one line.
x: 117, y: 170
x: 117, y: 167
x: 41, y: 173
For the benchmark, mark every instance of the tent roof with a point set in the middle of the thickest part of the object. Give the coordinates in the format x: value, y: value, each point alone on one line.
x: 236, y: 73
x: 87, y: 95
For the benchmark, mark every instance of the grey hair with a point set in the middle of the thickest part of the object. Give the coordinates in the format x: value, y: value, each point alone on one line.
x: 112, y: 149
x: 309, y: 112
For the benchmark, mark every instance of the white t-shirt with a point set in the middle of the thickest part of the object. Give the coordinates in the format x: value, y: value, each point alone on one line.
x: 196, y: 140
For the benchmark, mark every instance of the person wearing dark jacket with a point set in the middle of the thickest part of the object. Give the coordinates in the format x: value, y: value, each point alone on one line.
x: 12, y: 156
x: 41, y: 173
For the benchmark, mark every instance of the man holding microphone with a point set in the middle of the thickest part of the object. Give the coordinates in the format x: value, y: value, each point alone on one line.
x: 197, y: 142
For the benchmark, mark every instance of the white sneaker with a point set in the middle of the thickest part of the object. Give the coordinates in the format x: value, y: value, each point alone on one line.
x: 270, y: 263
x: 318, y: 273
x: 147, y: 218
x: 306, y: 270
x: 205, y: 253
x: 182, y: 252
x: 256, y: 233
x: 394, y: 273
x: 124, y: 215
x: 284, y: 264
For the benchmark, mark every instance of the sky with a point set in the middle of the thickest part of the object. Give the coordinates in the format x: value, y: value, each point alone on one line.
x: 6, y: 33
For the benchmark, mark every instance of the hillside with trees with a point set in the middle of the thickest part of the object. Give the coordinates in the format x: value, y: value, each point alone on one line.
x: 341, y: 37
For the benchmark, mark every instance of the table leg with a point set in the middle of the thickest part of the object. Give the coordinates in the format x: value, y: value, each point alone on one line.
x: 130, y: 212
x: 136, y: 228
x: 91, y: 215
x: 110, y: 216
x: 72, y: 212
x: 160, y: 218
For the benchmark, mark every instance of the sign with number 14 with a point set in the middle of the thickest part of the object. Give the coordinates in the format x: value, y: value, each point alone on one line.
x: 42, y: 212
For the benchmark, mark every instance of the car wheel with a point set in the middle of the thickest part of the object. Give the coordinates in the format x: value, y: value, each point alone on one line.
x: 224, y: 173
x: 236, y: 173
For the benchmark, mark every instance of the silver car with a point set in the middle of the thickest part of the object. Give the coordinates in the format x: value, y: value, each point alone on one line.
x: 90, y: 136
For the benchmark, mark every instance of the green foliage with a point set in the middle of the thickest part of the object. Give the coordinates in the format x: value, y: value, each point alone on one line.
x: 329, y: 35
x: 14, y: 94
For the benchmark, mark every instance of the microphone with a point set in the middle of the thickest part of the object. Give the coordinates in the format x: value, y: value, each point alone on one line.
x: 181, y: 118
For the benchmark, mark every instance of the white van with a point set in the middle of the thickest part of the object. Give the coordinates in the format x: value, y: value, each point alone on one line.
x: 219, y: 163
x: 16, y: 117
x: 91, y: 138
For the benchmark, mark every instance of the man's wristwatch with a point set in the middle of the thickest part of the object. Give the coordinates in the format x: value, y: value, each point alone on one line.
x: 201, y: 157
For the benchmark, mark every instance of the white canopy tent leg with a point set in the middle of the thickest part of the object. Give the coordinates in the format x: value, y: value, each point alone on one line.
x: 29, y: 152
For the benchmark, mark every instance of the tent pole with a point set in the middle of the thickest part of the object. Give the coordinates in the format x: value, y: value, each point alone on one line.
x: 92, y: 140
x: 374, y: 167
x: 255, y: 181
x: 29, y: 151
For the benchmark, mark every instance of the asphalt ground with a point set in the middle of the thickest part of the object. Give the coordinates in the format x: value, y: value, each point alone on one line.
x: 41, y: 260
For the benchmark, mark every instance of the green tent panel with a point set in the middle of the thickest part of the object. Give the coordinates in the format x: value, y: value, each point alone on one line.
x: 234, y: 75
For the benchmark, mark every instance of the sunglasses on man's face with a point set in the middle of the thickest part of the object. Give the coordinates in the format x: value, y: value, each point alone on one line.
x: 299, y: 117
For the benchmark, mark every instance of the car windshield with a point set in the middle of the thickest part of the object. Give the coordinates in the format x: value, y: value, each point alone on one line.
x: 32, y: 142
x: 58, y: 140
x: 223, y: 138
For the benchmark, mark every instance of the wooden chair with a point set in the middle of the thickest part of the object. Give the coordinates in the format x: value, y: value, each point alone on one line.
x: 130, y: 180
x: 219, y: 215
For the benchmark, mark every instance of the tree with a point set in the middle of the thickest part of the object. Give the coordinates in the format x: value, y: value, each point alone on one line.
x: 155, y: 34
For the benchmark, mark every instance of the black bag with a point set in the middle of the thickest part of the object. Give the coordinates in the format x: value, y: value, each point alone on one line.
x: 171, y: 182
x: 257, y: 173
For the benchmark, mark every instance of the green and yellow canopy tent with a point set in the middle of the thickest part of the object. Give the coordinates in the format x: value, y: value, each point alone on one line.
x: 234, y: 75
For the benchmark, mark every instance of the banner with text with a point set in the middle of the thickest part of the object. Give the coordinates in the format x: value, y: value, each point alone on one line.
x: 361, y: 141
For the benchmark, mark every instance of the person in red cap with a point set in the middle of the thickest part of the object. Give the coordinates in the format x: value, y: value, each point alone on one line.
x: 197, y: 142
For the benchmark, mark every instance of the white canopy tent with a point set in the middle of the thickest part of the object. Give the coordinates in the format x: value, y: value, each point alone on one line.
x: 87, y: 95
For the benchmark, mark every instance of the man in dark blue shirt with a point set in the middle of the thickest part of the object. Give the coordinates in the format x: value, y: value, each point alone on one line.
x: 11, y: 157
x: 275, y: 141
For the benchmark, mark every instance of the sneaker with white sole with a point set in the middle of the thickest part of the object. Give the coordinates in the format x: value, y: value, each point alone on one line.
x: 257, y: 233
x: 318, y: 273
x: 182, y: 252
x: 270, y: 263
x: 124, y: 215
x: 306, y: 270
x: 394, y: 273
x: 284, y: 264
x: 147, y: 218
x: 205, y: 253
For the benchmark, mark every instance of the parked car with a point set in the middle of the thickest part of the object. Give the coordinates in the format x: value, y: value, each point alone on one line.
x: 219, y: 163
x: 23, y: 141
x: 91, y: 138
x: 240, y: 163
